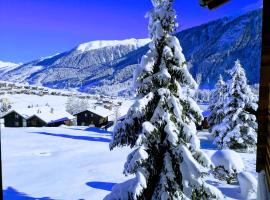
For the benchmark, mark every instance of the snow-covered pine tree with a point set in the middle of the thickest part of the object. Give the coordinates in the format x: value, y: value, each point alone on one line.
x: 5, y: 105
x: 75, y: 105
x: 216, y: 103
x: 167, y: 161
x: 238, y: 128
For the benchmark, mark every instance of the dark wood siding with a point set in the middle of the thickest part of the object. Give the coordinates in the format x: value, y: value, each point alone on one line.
x: 13, y: 119
x: 56, y: 124
x: 87, y: 118
x: 263, y: 145
x: 35, y: 122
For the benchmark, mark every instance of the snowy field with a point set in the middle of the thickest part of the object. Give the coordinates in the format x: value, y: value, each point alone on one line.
x: 59, y: 163
x: 70, y: 163
x: 57, y: 102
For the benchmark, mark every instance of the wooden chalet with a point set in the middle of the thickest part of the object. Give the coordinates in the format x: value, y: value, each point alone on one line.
x: 97, y: 116
x: 37, y: 117
x: 15, y: 118
x: 204, y: 124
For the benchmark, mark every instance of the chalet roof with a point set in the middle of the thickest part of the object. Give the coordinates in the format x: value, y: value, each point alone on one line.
x: 25, y: 113
x: 44, y: 113
x: 98, y: 110
x: 53, y: 117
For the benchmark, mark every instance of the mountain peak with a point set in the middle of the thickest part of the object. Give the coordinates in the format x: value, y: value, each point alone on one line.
x: 8, y: 64
x: 110, y: 43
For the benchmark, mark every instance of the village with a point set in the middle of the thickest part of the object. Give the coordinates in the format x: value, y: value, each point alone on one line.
x: 98, y: 110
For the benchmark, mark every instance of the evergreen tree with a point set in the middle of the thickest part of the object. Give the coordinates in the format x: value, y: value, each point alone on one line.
x: 75, y: 105
x: 216, y: 103
x: 5, y: 105
x: 167, y: 161
x: 238, y: 128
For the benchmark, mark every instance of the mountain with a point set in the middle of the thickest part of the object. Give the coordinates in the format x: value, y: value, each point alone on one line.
x: 7, y: 66
x: 107, y: 67
x: 76, y: 67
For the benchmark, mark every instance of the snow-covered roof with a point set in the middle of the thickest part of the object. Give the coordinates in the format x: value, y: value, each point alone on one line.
x: 98, y: 110
x: 53, y: 117
x: 45, y: 113
x: 25, y: 113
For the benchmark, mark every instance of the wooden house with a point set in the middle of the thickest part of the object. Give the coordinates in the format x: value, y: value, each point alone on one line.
x: 35, y: 121
x: 37, y: 117
x: 97, y: 116
x: 49, y: 117
x: 15, y: 118
x: 204, y: 124
x: 3, y: 84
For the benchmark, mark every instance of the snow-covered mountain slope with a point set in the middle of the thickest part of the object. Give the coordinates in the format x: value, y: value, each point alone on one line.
x: 212, y: 48
x: 7, y: 66
x: 107, y: 66
x: 111, y: 43
x: 82, y: 64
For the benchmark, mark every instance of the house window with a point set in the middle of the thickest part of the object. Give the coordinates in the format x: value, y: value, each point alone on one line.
x: 33, y: 122
x: 85, y: 114
x: 101, y: 120
x: 92, y: 115
x: 17, y: 124
x: 16, y: 116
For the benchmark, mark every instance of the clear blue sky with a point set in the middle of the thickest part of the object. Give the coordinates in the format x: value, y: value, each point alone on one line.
x: 30, y: 29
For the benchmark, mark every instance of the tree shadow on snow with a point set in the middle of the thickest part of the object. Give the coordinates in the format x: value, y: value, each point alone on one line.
x: 231, y: 192
x: 93, y: 129
x: 101, y: 185
x: 97, y: 130
x: 86, y: 138
x: 12, y: 194
x: 207, y: 144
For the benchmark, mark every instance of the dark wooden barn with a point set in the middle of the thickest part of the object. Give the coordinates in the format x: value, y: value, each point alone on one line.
x: 35, y: 121
x: 37, y: 117
x: 97, y: 117
x: 14, y: 119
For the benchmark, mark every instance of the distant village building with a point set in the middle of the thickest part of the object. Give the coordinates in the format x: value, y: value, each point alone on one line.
x: 37, y: 117
x: 97, y: 116
x: 3, y: 84
x: 109, y: 107
x: 204, y: 124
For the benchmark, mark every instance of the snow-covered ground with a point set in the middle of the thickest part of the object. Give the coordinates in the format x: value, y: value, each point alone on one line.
x: 231, y: 191
x: 24, y: 100
x: 74, y: 163
x: 59, y: 163
x: 68, y: 163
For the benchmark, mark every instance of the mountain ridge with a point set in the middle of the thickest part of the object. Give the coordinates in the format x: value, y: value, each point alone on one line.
x: 209, y: 48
